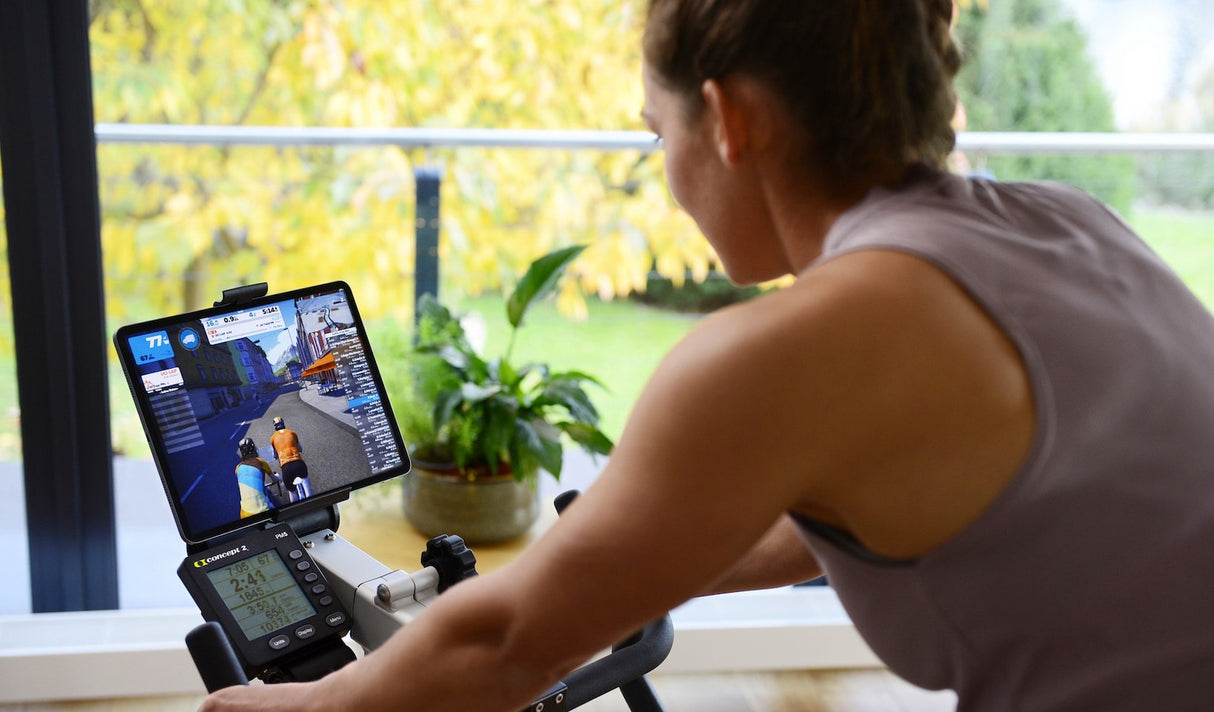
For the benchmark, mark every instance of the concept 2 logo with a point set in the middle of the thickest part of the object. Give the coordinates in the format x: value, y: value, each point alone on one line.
x: 216, y: 557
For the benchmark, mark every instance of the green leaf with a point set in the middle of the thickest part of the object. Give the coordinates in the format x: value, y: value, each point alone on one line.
x: 438, y: 327
x: 577, y: 376
x: 539, y: 280
x: 526, y: 444
x: 457, y: 358
x: 541, y: 368
x: 542, y: 441
x: 475, y: 393
x: 445, y: 404
x: 495, y: 438
x: 501, y: 371
x: 570, y: 396
x: 590, y: 438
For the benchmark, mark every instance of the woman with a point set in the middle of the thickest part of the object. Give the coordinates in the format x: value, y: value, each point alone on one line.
x: 981, y: 409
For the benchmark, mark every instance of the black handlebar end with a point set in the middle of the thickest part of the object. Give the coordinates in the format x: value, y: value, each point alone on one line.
x: 214, y: 657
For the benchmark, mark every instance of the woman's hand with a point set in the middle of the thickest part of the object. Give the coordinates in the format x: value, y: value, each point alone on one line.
x: 285, y: 697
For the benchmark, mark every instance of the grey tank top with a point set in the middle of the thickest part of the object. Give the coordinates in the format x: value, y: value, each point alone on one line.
x: 1089, y: 583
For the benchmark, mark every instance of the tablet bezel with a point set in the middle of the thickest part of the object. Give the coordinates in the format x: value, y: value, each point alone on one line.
x: 130, y: 366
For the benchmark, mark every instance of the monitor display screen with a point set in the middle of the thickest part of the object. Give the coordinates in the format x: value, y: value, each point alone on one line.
x: 261, y: 594
x: 255, y: 407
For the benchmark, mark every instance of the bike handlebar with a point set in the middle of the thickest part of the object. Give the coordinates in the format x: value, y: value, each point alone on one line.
x: 625, y: 667
x: 214, y: 657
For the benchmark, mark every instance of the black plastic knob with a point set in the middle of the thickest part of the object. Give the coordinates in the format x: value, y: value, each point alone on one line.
x: 564, y: 499
x: 453, y: 560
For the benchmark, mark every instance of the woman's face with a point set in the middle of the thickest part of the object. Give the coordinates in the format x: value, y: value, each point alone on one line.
x: 684, y: 142
x: 719, y: 197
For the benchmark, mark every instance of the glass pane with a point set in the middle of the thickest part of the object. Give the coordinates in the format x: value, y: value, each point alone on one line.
x: 14, y: 555
x: 163, y: 258
x: 182, y: 222
x: 1102, y: 66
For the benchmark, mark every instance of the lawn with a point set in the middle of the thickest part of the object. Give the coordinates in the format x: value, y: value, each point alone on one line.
x: 619, y: 344
x: 1185, y: 240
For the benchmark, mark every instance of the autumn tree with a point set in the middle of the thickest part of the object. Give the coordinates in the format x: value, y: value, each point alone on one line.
x: 181, y: 222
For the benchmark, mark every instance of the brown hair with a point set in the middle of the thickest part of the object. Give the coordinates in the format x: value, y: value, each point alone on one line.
x: 870, y: 81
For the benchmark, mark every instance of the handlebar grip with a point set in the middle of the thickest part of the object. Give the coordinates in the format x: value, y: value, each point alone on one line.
x: 564, y: 499
x: 214, y: 657
x: 628, y: 661
x: 625, y: 668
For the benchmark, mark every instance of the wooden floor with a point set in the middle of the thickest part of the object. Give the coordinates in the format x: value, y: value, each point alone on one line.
x: 818, y: 691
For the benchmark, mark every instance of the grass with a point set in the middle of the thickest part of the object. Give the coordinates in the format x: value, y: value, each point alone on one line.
x: 1185, y: 240
x: 619, y: 344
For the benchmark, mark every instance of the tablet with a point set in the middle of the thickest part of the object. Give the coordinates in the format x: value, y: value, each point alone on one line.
x: 256, y: 407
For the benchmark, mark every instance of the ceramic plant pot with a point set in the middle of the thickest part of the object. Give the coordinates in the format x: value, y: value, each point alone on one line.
x: 439, y: 499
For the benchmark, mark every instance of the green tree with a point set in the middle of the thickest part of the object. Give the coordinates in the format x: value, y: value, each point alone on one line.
x: 1184, y: 180
x: 1026, y: 69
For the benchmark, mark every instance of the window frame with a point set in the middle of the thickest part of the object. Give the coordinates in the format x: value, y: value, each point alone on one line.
x: 48, y: 149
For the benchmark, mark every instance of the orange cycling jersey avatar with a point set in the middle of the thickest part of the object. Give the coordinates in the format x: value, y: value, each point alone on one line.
x: 286, y: 445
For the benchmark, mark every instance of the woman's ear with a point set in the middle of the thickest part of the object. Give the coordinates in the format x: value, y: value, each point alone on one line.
x: 726, y: 112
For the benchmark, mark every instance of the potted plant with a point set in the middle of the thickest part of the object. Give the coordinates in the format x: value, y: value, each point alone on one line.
x: 481, y: 429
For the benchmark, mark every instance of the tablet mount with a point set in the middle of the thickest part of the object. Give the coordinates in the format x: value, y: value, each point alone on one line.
x: 243, y: 294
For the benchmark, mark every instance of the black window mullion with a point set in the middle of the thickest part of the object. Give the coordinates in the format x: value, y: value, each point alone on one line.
x: 54, y: 251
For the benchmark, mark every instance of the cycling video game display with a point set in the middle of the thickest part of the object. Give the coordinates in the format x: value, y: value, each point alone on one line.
x: 254, y: 407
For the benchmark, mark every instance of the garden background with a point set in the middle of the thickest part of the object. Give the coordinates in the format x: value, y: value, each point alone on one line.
x: 180, y: 223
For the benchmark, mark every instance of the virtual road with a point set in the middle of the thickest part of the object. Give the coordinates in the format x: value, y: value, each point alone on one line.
x: 332, y: 450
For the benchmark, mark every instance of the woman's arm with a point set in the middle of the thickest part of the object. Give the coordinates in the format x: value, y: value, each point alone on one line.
x: 876, y: 395
x: 780, y: 558
x: 681, y: 500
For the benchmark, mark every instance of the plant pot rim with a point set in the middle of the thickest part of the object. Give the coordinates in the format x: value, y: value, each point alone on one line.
x: 450, y: 472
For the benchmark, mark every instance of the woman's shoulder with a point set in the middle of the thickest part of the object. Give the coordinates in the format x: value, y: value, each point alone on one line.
x: 875, y: 367
x: 826, y: 353
x: 841, y: 304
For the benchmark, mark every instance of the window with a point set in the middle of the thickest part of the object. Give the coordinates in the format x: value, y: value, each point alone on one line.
x: 192, y: 205
x: 14, y: 555
x: 185, y: 219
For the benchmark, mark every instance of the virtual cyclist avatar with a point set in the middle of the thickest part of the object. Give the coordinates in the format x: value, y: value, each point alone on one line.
x: 253, y: 474
x: 290, y: 456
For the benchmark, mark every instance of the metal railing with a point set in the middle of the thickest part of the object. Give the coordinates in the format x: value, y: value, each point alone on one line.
x: 980, y: 142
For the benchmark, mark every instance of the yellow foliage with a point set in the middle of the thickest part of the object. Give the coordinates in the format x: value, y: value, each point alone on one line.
x: 183, y: 222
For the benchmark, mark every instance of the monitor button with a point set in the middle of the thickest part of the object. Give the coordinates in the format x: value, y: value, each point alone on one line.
x: 335, y: 619
x: 279, y: 642
x: 304, y: 632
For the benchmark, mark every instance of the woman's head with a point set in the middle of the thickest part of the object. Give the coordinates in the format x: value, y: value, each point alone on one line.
x: 868, y: 81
